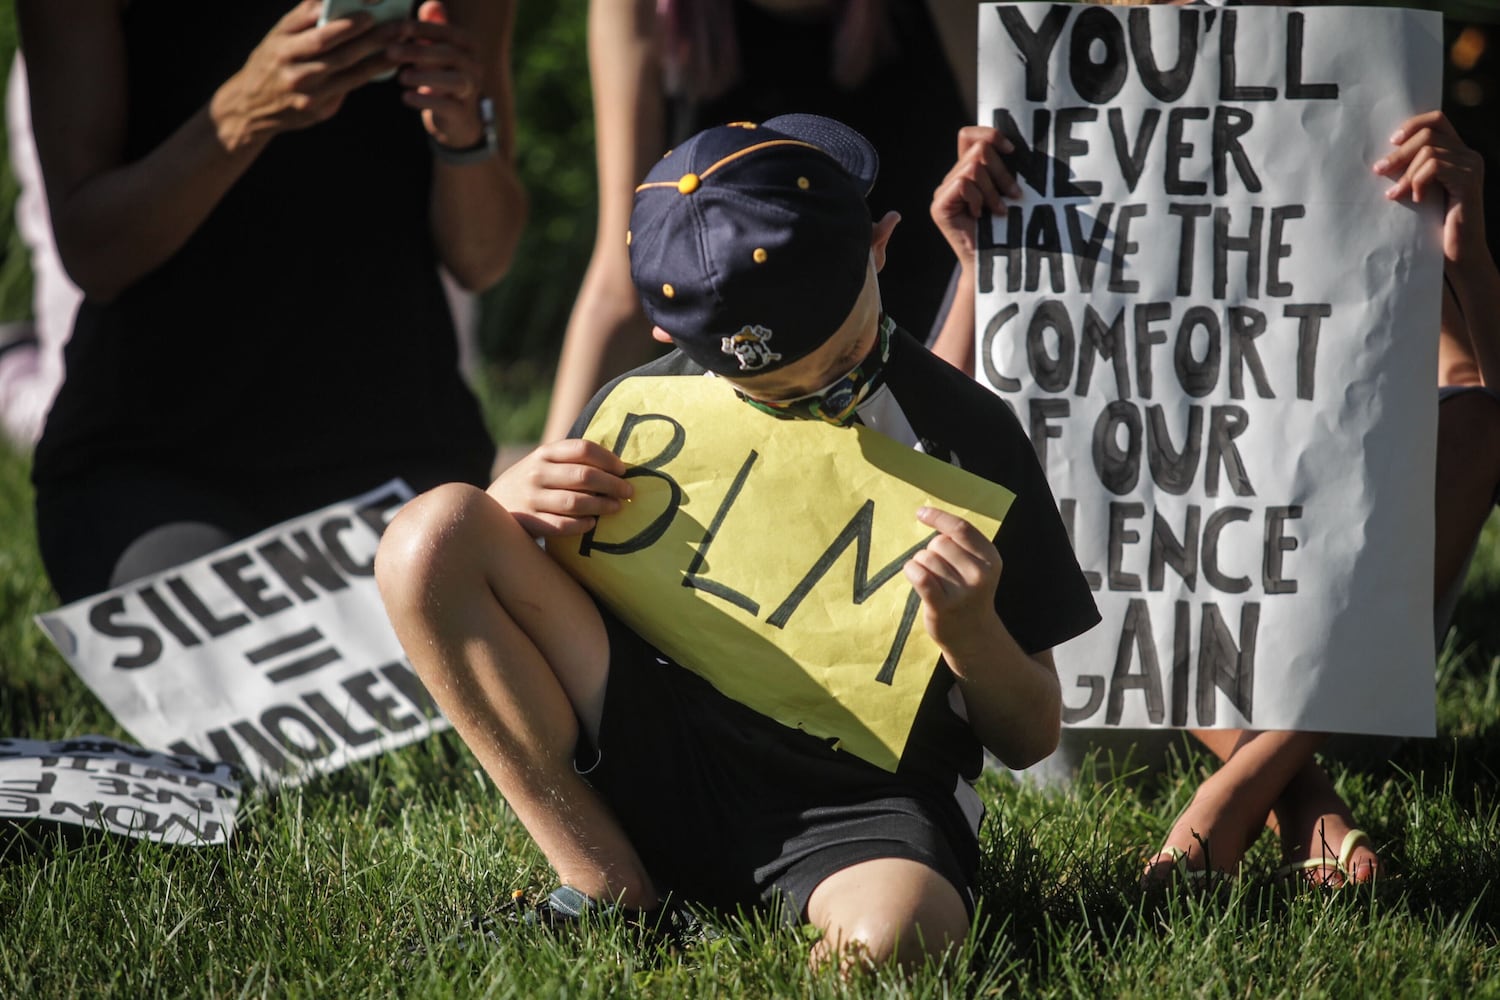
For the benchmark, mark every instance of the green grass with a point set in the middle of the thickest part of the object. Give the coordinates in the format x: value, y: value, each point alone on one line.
x: 353, y: 885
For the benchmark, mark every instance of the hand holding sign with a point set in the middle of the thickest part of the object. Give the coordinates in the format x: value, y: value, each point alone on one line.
x: 978, y: 182
x: 563, y: 488
x: 1429, y: 152
x: 956, y: 575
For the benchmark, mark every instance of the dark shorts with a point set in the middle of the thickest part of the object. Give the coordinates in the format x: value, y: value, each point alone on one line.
x: 730, y: 809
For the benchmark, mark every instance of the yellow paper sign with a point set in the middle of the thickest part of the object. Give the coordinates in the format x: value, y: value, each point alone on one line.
x: 765, y: 555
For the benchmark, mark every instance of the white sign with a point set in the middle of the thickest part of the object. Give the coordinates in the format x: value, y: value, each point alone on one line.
x: 273, y: 654
x: 1222, y: 338
x: 103, y: 784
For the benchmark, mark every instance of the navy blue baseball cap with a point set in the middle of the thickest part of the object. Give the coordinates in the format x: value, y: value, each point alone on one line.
x: 750, y: 244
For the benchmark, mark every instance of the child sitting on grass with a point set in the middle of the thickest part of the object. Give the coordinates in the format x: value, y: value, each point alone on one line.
x: 754, y: 253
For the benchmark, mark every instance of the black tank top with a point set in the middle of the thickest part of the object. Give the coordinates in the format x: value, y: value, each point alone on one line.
x: 303, y: 328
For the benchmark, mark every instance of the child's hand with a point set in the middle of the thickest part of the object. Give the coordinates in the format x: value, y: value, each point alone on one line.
x: 956, y: 576
x: 563, y: 488
x: 1429, y: 152
x: 979, y: 181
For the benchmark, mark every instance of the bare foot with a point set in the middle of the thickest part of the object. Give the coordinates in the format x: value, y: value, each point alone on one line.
x: 1212, y: 834
x: 1315, y: 823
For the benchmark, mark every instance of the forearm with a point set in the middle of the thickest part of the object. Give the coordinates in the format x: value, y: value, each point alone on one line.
x: 115, y: 218
x: 120, y: 225
x: 955, y: 341
x: 478, y: 209
x: 1476, y: 285
x: 1014, y: 701
x: 607, y: 333
x: 478, y: 212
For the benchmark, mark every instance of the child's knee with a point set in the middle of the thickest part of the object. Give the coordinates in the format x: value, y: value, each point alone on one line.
x: 908, y: 921
x: 414, y: 547
x: 874, y: 940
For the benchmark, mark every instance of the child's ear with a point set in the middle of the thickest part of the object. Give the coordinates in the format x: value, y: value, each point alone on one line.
x: 658, y: 334
x: 880, y: 235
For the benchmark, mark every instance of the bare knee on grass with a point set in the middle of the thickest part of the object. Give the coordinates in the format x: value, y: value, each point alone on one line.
x: 886, y: 910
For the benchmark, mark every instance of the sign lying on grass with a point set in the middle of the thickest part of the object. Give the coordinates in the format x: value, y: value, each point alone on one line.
x: 780, y: 584
x: 1221, y: 337
x: 273, y: 654
x: 103, y: 784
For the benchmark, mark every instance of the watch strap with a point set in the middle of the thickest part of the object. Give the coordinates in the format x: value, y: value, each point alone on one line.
x: 487, y: 147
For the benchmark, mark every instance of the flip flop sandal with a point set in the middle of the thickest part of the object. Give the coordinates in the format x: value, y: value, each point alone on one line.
x: 1353, y: 840
x: 1195, y: 877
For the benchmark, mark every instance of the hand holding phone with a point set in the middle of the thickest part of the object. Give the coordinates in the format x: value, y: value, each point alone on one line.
x: 381, y: 10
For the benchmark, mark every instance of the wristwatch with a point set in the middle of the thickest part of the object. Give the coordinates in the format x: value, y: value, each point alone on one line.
x: 487, y: 146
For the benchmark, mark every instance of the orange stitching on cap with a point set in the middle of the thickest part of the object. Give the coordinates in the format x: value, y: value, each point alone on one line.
x: 735, y: 156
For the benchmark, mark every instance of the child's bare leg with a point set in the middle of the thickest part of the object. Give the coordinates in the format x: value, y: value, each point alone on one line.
x: 515, y: 654
x: 1468, y: 471
x: 1230, y: 808
x: 884, y: 909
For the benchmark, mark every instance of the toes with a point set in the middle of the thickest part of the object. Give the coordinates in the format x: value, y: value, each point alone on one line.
x: 1364, y: 870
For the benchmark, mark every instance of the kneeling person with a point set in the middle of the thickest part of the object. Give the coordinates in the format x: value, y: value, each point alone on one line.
x: 754, y: 253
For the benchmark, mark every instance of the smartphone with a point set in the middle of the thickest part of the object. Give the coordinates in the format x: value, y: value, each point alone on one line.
x: 380, y: 10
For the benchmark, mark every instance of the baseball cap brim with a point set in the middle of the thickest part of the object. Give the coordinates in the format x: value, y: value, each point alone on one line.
x: 851, y: 150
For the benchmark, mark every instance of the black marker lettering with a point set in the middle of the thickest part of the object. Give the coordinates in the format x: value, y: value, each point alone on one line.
x: 1136, y: 635
x: 1167, y: 550
x: 102, y: 620
x: 1224, y: 666
x: 1168, y: 85
x: 856, y: 533
x: 1173, y: 469
x: 691, y: 579
x: 1107, y: 341
x: 1035, y: 47
x: 1211, y: 530
x: 649, y: 535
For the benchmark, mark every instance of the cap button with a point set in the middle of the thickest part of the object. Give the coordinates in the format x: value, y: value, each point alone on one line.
x: 688, y: 184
